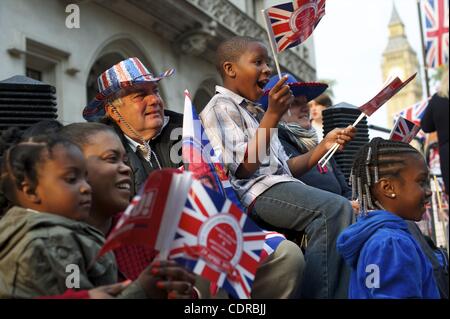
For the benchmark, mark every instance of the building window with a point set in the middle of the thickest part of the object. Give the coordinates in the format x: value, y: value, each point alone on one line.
x: 305, y: 53
x: 34, y: 74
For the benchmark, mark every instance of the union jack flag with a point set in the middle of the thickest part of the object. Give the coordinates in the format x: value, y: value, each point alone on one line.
x: 293, y: 22
x: 216, y: 240
x: 198, y: 155
x: 392, y: 88
x: 414, y: 113
x: 436, y: 32
x: 404, y: 130
x: 205, y: 164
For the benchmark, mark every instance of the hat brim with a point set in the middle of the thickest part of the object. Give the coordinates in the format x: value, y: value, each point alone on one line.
x: 95, y: 109
x: 310, y: 90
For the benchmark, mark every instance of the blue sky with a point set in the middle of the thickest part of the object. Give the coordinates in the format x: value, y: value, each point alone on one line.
x: 349, y: 43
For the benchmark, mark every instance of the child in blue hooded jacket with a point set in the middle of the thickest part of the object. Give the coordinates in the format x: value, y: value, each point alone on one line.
x: 391, y: 181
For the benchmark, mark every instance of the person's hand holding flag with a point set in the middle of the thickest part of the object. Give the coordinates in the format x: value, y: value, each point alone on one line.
x: 370, y: 107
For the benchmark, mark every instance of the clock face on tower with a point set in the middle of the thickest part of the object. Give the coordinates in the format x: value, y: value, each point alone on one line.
x: 396, y: 72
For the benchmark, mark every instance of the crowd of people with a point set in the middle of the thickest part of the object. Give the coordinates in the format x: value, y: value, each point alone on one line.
x: 63, y: 188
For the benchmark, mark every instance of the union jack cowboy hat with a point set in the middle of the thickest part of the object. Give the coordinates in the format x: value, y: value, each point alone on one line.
x: 124, y: 74
x: 310, y: 90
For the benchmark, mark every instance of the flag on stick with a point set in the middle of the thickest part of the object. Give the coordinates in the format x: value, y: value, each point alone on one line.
x: 404, y: 130
x: 384, y: 95
x: 367, y: 109
x: 199, y: 228
x: 291, y: 23
x: 199, y: 156
x: 217, y: 241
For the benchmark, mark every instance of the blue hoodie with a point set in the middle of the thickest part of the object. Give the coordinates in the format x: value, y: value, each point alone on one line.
x: 386, y: 260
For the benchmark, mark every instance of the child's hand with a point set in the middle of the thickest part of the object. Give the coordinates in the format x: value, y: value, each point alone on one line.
x: 340, y: 136
x: 280, y: 98
x: 166, y: 279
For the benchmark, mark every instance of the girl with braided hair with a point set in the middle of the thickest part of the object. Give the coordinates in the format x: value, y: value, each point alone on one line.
x: 44, y: 232
x: 391, y: 182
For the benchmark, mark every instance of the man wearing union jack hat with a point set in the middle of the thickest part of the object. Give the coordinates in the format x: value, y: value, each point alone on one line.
x: 129, y: 101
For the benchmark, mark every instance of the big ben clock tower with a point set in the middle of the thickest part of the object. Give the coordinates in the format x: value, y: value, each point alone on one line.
x: 399, y: 59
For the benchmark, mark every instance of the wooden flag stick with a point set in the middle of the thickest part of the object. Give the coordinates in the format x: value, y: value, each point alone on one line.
x: 272, y: 46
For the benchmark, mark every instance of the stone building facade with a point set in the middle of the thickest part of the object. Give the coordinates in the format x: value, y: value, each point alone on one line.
x: 39, y: 39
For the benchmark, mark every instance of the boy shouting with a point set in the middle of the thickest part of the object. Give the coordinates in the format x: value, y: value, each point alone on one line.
x: 261, y: 172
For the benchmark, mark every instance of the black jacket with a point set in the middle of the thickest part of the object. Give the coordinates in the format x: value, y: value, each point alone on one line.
x: 436, y: 119
x: 162, y: 145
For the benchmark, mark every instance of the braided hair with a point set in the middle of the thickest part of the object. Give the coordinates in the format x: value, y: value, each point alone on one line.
x: 20, y: 163
x: 377, y: 159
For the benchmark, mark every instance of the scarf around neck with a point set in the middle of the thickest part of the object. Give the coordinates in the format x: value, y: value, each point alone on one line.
x: 301, y: 137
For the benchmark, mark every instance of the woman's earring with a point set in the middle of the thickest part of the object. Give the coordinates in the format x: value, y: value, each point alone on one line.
x: 393, y: 195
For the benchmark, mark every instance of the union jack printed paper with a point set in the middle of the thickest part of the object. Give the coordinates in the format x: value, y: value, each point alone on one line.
x: 436, y: 32
x: 384, y: 95
x: 217, y: 241
x: 293, y: 22
x: 151, y: 218
x: 404, y: 130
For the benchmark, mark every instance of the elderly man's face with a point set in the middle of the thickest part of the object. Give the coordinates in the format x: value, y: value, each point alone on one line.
x: 143, y: 108
x: 299, y: 113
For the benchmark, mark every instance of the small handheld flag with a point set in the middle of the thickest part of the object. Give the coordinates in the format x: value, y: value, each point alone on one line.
x: 404, y: 130
x: 217, y: 241
x: 384, y: 95
x: 291, y: 23
x: 367, y: 109
x: 198, y: 227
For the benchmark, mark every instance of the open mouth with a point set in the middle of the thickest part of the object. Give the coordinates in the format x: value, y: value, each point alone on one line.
x: 86, y: 203
x: 262, y: 83
x: 124, y: 185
